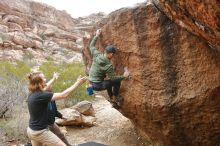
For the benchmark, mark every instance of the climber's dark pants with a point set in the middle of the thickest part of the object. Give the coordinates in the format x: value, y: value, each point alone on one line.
x: 112, y: 87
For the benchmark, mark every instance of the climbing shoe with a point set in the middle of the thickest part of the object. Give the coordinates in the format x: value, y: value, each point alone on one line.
x: 115, y: 105
x: 113, y: 102
x: 119, y: 100
x: 112, y: 99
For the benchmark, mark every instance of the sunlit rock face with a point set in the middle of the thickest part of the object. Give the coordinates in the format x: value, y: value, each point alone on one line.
x: 36, y: 31
x: 201, y: 18
x: 32, y: 21
x: 173, y: 94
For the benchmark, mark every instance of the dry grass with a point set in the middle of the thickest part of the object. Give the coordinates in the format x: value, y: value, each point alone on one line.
x: 13, y: 107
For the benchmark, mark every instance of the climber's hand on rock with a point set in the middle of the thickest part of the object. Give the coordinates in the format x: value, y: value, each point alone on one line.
x: 126, y: 73
x: 98, y: 32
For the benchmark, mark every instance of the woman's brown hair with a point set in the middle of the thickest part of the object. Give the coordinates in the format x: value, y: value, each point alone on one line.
x: 36, y: 81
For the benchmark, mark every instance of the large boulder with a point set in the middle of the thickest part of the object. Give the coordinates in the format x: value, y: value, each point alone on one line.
x: 72, y: 117
x: 14, y: 19
x: 3, y: 28
x: 82, y: 114
x: 21, y: 39
x: 85, y: 108
x: 173, y: 94
x: 14, y: 26
x: 199, y: 17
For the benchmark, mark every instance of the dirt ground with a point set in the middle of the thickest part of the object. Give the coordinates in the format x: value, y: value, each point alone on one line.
x: 111, y: 128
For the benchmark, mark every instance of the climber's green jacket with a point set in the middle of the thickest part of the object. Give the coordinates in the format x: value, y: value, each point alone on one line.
x: 101, y: 66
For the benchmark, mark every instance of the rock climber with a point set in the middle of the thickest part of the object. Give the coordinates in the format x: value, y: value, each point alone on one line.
x: 102, y: 75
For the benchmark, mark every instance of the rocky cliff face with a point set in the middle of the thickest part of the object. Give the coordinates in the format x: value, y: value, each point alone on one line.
x: 88, y: 23
x: 173, y: 95
x: 31, y: 30
x: 201, y: 18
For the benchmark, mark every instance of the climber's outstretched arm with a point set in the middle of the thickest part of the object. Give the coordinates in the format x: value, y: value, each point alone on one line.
x: 93, y: 42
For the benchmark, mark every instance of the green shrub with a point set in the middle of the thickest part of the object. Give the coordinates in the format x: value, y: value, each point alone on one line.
x: 28, y: 56
x: 13, y: 93
x: 8, y: 130
x: 15, y: 129
x: 68, y: 75
x: 18, y: 69
x: 13, y: 85
x: 49, y: 58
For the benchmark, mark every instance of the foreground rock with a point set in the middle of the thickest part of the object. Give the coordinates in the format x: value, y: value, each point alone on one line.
x: 82, y: 114
x: 173, y: 95
x: 85, y: 108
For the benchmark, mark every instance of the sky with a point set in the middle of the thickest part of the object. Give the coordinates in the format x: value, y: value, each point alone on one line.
x: 79, y: 8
